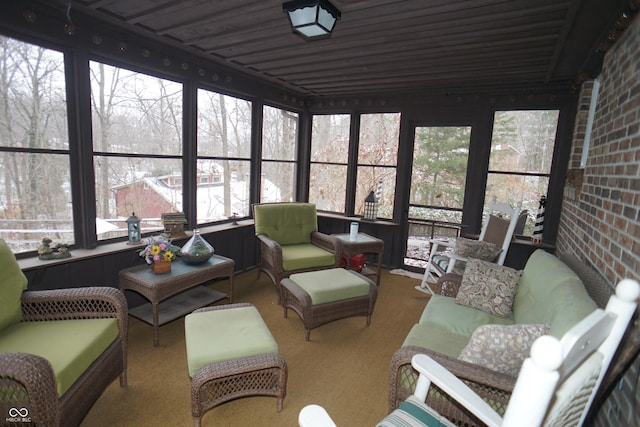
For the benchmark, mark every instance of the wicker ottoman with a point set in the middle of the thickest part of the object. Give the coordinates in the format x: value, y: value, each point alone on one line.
x: 323, y: 296
x: 230, y: 354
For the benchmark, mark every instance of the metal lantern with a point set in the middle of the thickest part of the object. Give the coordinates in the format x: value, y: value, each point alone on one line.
x: 133, y: 229
x: 371, y: 207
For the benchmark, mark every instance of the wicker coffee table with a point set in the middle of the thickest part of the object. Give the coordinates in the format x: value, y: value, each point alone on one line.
x: 182, y: 280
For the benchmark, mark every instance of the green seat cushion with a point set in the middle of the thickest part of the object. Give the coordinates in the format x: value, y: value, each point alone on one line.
x: 330, y: 285
x: 303, y: 256
x: 459, y: 319
x: 12, y: 283
x: 71, y: 346
x: 286, y: 223
x: 436, y: 338
x: 228, y: 334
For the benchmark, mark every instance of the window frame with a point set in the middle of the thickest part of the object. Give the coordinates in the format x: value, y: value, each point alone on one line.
x: 294, y: 162
x: 201, y: 157
x: 344, y: 164
x: 178, y: 156
x: 533, y: 205
x: 71, y: 148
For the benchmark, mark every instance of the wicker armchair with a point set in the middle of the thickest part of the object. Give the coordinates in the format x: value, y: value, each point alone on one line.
x: 27, y: 379
x: 290, y: 242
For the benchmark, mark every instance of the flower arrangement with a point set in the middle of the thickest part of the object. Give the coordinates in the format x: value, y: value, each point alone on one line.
x: 159, y: 248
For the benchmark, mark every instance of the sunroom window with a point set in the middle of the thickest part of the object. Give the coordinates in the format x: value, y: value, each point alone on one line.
x: 35, y: 182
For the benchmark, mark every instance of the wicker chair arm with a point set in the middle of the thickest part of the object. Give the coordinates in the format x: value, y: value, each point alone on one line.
x: 271, y: 251
x: 448, y: 284
x: 27, y: 381
x: 325, y: 241
x: 96, y: 302
x: 494, y: 387
x: 74, y: 303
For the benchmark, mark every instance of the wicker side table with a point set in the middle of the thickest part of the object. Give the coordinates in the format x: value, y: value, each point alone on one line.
x: 364, y: 244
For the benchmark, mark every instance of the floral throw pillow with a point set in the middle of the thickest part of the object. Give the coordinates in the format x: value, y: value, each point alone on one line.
x: 469, y: 248
x: 488, y: 287
x: 502, y: 348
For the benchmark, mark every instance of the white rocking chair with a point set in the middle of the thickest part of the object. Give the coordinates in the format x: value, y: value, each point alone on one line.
x: 555, y: 387
x: 498, y: 228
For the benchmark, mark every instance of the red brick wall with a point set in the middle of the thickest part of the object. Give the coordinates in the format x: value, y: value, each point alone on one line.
x: 600, y: 220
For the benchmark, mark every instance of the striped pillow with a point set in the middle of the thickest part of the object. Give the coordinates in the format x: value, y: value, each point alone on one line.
x: 414, y: 413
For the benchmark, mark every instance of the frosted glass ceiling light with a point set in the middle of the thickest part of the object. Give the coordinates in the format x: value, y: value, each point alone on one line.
x: 312, y: 19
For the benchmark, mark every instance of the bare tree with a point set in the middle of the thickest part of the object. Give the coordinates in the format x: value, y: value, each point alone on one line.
x: 35, y: 180
x: 103, y: 100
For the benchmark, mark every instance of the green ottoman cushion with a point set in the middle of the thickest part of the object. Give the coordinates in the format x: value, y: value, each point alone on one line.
x: 335, y: 284
x: 227, y: 334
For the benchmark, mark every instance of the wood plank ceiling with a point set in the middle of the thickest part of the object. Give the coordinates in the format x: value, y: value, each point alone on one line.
x: 386, y: 46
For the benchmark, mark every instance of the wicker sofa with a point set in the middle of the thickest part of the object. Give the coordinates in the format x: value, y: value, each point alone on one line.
x: 59, y: 349
x: 548, y: 292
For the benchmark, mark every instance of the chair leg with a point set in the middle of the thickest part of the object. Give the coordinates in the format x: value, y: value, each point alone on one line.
x: 429, y: 270
x: 424, y: 285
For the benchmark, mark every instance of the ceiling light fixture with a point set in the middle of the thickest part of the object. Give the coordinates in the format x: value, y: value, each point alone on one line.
x: 312, y: 19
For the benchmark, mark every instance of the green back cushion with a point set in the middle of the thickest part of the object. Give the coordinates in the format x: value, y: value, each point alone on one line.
x: 228, y: 334
x: 12, y: 283
x: 286, y: 223
x: 550, y: 292
x: 71, y: 346
x: 335, y: 284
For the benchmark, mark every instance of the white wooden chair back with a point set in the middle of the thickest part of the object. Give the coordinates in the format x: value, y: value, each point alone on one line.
x: 498, y: 228
x: 500, y: 225
x: 575, y: 365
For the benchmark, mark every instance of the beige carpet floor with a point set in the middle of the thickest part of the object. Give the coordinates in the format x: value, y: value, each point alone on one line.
x: 345, y: 366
